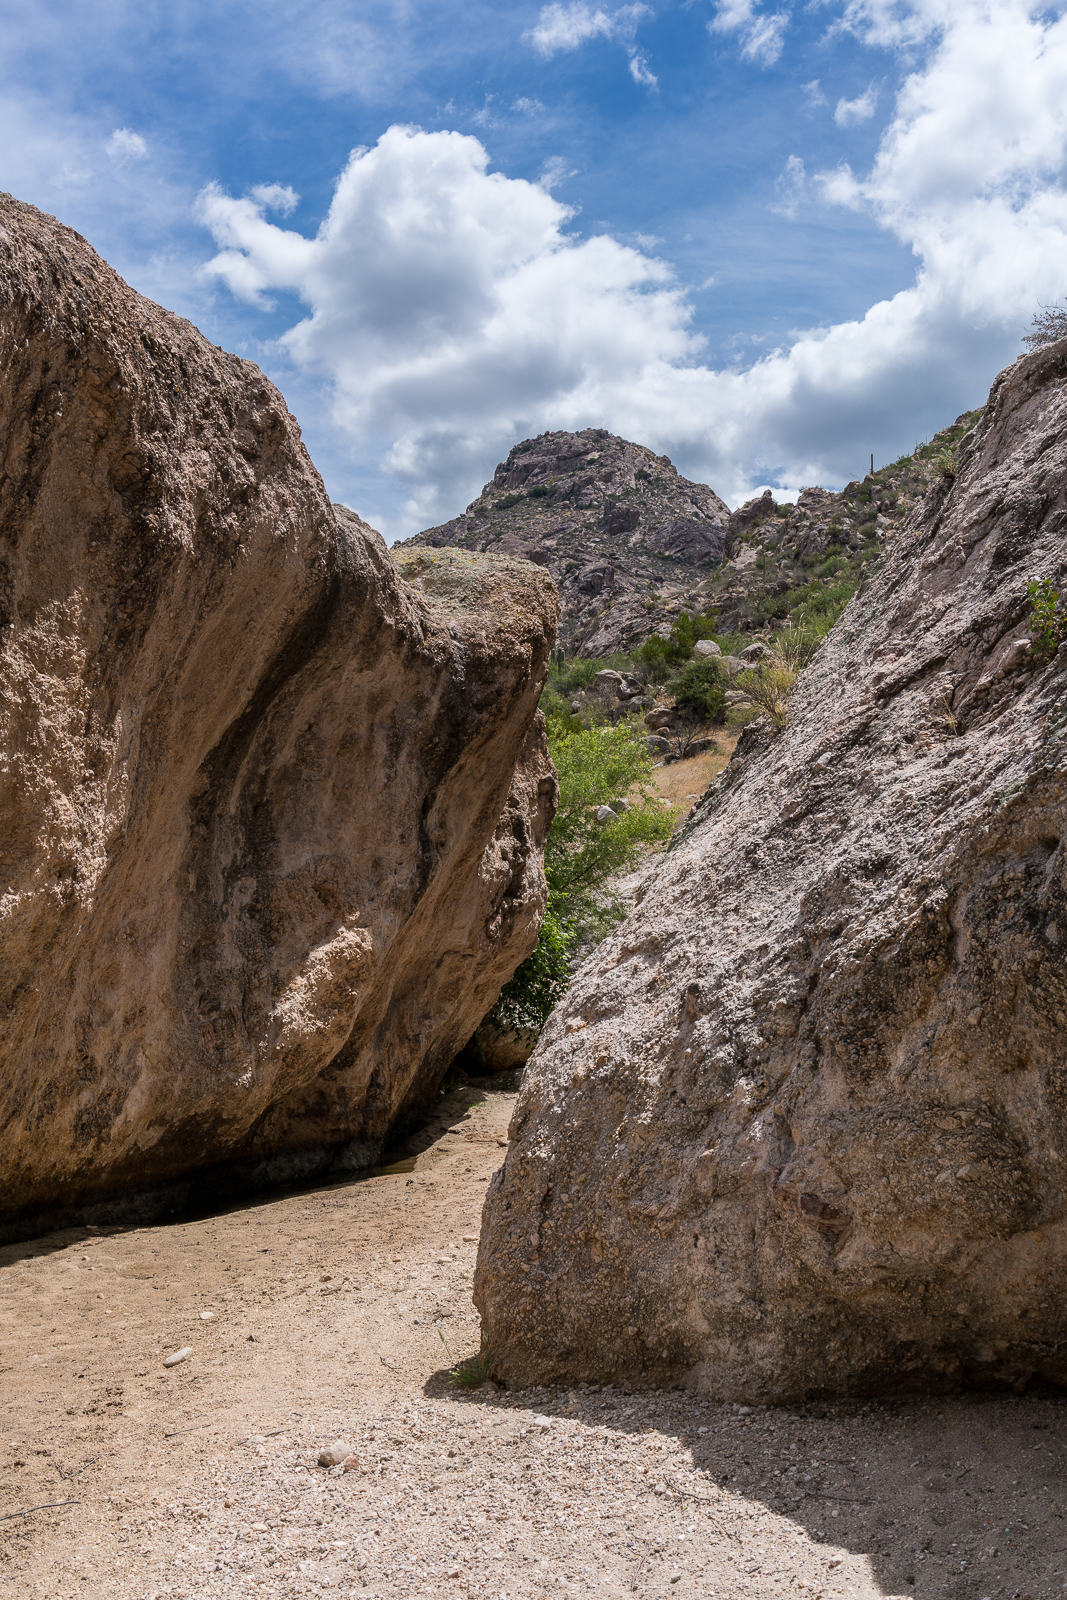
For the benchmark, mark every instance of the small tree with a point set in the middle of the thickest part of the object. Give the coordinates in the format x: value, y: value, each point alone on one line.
x: 699, y: 690
x: 1049, y: 324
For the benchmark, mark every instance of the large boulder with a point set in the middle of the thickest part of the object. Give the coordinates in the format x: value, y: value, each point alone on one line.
x: 800, y: 1126
x: 271, y: 813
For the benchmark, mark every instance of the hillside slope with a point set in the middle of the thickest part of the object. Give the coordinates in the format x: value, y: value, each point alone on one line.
x: 631, y: 545
x: 620, y: 532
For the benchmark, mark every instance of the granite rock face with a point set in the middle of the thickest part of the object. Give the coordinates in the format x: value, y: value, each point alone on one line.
x: 800, y: 1127
x: 271, y: 806
x: 625, y: 538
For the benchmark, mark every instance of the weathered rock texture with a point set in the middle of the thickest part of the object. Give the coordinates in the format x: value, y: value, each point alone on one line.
x: 801, y: 1125
x: 271, y: 816
x: 625, y: 538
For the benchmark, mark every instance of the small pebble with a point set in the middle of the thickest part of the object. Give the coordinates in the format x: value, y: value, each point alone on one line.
x: 334, y: 1454
x: 207, y: 1316
x: 542, y: 1422
x: 179, y: 1355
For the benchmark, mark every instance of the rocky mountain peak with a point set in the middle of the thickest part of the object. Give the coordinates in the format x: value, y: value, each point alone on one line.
x: 612, y: 522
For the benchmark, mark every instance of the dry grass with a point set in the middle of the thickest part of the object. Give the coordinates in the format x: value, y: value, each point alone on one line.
x: 683, y: 782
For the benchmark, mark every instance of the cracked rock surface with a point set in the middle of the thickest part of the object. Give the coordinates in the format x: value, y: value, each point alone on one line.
x: 272, y: 808
x: 800, y: 1126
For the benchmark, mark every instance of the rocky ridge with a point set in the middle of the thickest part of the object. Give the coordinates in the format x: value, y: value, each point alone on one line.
x: 630, y: 544
x: 272, y: 805
x: 618, y: 530
x: 799, y: 1126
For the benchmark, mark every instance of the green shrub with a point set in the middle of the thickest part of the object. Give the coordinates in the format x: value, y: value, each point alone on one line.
x: 529, y: 997
x: 597, y: 767
x: 768, y: 685
x: 1048, y: 618
x: 567, y: 677
x: 699, y: 690
x: 659, y: 657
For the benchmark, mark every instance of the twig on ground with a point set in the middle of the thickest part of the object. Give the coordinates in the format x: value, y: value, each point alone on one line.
x: 390, y: 1364
x: 44, y: 1505
x: 82, y: 1468
x: 846, y: 1499
x: 640, y: 1569
x: 687, y: 1494
x: 173, y: 1434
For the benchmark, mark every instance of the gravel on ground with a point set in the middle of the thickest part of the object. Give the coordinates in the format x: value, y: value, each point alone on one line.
x: 341, y: 1315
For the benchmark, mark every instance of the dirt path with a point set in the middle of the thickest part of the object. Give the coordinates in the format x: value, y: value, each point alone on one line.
x: 328, y: 1311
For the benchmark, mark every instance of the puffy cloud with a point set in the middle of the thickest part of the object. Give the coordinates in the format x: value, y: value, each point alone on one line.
x: 453, y: 312
x: 125, y: 145
x: 449, y: 307
x: 565, y: 27
x: 554, y: 172
x: 640, y: 71
x: 275, y: 197
x: 848, y: 112
x: 762, y: 35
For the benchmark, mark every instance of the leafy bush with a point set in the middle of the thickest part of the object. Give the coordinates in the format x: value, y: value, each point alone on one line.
x: 528, y: 999
x: 768, y: 686
x: 1049, y: 324
x: 659, y: 657
x: 567, y: 677
x: 796, y: 646
x: 539, y: 491
x: 1048, y: 618
x: 699, y: 689
x: 596, y: 767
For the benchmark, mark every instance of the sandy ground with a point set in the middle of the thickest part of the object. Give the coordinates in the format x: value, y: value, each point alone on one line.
x: 330, y: 1309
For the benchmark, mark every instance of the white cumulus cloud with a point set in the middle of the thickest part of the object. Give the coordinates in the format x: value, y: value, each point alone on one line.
x: 276, y: 197
x: 848, y: 112
x: 452, y: 312
x: 125, y: 145
x: 449, y: 307
x: 565, y: 27
x: 762, y: 34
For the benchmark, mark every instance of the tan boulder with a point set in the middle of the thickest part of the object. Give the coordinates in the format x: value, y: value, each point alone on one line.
x: 800, y: 1126
x: 271, y: 809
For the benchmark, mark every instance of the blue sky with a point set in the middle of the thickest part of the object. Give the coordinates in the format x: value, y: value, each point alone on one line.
x: 765, y: 239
